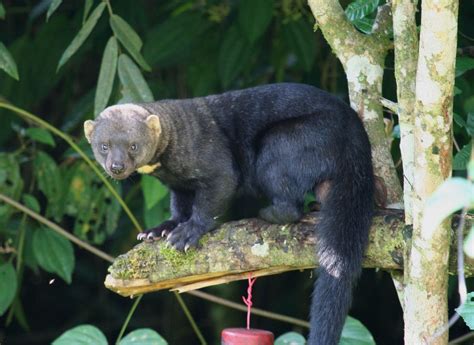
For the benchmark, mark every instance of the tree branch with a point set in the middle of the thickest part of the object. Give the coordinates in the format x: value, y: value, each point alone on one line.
x: 250, y: 247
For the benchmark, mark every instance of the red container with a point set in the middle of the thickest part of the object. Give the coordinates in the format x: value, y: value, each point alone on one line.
x: 243, y: 336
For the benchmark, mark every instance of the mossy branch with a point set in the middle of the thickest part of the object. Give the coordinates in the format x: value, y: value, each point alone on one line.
x: 250, y: 247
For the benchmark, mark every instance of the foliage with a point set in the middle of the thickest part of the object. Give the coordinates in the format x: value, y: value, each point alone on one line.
x: 467, y: 311
x: 66, y: 61
x: 88, y: 334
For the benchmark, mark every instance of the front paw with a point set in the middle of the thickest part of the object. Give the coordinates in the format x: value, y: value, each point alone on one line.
x: 186, y: 235
x: 161, y: 230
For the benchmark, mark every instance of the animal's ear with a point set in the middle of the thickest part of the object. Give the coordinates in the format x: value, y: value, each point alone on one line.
x: 153, y: 122
x: 88, y: 129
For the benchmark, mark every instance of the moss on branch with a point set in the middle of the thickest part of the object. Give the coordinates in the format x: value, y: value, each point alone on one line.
x: 248, y: 246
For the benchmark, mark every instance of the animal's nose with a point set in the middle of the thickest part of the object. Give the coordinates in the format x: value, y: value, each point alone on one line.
x: 117, y: 167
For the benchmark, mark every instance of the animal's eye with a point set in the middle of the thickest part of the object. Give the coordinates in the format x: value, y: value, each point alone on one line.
x: 104, y: 147
x: 133, y: 147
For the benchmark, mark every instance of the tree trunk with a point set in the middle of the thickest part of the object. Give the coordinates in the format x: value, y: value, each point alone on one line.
x: 362, y: 57
x: 426, y: 276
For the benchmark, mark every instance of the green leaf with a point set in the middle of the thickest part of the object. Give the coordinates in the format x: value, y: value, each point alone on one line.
x: 173, y: 41
x: 153, y: 190
x: 457, y: 91
x: 234, y: 55
x: 105, y: 83
x: 290, y: 338
x: 82, y: 34
x: 2, y: 11
x: 469, y: 243
x: 87, y: 8
x: 125, y: 33
x: 40, y: 135
x: 31, y: 202
x: 144, y: 336
x: 8, y: 286
x: 50, y: 182
x: 361, y: 8
x: 470, y: 123
x: 463, y: 64
x: 355, y: 333
x: 83, y: 334
x: 11, y: 183
x: 53, y: 7
x: 467, y: 311
x: 364, y: 24
x: 7, y: 63
x: 452, y: 195
x: 54, y: 253
x: 254, y: 17
x: 300, y: 38
x: 129, y: 39
x: 459, y: 120
x: 132, y: 80
x: 462, y: 157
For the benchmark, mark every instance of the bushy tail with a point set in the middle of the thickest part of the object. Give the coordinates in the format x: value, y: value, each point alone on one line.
x: 342, y: 234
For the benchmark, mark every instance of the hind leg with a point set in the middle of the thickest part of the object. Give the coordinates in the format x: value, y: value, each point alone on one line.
x: 285, y: 173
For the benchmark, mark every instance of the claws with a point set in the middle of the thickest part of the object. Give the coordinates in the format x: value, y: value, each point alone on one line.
x: 164, y: 233
x: 186, y: 248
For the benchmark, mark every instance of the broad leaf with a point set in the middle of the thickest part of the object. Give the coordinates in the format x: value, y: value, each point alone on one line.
x: 31, y: 202
x: 173, y: 41
x: 234, y: 55
x: 82, y: 335
x: 2, y: 11
x: 87, y: 8
x: 462, y: 157
x: 355, y: 333
x: 467, y: 311
x: 365, y: 25
x: 8, y: 286
x: 125, y: 33
x: 290, y: 338
x: 144, y: 336
x: 132, y: 80
x: 54, y: 253
x: 95, y: 210
x: 11, y: 184
x: 105, y: 83
x: 359, y: 9
x: 53, y: 7
x: 451, y: 196
x: 464, y: 64
x: 82, y: 35
x: 50, y: 183
x: 40, y: 135
x: 470, y: 123
x: 153, y: 191
x: 300, y: 38
x: 254, y: 17
x: 7, y: 63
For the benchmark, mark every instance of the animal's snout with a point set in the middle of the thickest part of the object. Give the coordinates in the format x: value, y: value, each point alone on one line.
x: 117, y: 168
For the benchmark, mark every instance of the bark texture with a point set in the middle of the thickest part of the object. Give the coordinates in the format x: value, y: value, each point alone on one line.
x: 426, y: 275
x: 362, y: 57
x: 406, y: 57
x: 250, y: 247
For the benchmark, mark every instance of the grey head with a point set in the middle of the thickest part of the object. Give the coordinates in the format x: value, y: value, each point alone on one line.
x: 123, y: 138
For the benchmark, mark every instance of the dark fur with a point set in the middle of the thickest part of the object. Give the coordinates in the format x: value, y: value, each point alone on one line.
x: 280, y: 141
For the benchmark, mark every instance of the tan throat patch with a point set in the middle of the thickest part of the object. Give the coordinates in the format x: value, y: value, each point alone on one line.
x: 148, y: 169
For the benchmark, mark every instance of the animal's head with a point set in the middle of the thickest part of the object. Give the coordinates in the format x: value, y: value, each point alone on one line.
x: 123, y: 138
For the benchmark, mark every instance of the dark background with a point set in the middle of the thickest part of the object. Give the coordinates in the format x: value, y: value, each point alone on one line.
x: 189, y: 57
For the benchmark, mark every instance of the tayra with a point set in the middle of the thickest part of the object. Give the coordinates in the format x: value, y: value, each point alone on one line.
x: 279, y: 141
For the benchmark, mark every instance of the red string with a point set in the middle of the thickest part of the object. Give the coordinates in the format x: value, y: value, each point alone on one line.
x: 248, y: 300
